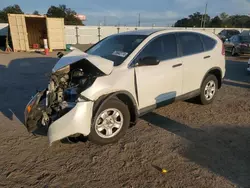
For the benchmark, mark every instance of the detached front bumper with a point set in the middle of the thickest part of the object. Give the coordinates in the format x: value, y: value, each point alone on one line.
x: 77, y: 120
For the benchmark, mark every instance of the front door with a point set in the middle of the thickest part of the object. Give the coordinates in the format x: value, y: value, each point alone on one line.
x: 162, y: 82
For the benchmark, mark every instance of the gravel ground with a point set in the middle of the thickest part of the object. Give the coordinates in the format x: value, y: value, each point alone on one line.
x: 200, y: 146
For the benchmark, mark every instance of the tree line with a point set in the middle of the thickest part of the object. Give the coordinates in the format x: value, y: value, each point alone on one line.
x: 223, y: 20
x: 60, y: 11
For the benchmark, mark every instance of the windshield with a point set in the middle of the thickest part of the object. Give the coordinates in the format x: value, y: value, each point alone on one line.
x: 116, y: 48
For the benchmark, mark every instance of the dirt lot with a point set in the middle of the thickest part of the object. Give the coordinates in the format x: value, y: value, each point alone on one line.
x: 200, y: 146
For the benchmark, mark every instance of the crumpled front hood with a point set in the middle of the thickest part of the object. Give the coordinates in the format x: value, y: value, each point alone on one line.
x: 104, y: 65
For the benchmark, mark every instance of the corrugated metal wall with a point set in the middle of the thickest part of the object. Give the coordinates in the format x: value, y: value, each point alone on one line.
x: 88, y: 35
x: 92, y: 34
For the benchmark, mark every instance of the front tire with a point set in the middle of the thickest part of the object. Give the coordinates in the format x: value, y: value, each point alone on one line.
x: 209, y: 90
x: 110, y: 122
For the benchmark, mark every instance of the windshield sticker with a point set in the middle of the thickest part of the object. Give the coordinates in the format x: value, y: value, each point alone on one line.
x: 120, y: 54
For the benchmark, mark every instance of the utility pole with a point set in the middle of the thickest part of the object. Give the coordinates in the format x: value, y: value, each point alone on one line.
x: 139, y: 20
x: 202, y: 20
x: 205, y: 16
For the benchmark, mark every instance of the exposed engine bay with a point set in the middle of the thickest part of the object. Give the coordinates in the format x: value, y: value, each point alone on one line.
x: 65, y: 87
x: 61, y: 107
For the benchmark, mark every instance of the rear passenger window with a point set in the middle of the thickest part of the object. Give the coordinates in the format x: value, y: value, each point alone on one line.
x: 209, y: 43
x: 190, y: 43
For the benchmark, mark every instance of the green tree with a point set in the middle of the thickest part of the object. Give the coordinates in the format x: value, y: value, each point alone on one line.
x: 224, y: 16
x: 182, y: 23
x: 216, y: 22
x: 68, y: 14
x: 36, y: 12
x: 238, y: 21
x: 15, y: 9
x: 193, y: 20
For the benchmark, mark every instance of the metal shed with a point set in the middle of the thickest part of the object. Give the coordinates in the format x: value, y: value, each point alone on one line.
x: 29, y: 30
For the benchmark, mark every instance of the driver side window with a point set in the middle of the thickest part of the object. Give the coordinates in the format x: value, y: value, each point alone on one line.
x: 162, y: 48
x: 153, y: 49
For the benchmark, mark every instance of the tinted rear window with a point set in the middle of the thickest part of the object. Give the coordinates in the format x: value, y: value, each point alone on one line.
x: 244, y: 39
x: 190, y: 43
x: 208, y: 42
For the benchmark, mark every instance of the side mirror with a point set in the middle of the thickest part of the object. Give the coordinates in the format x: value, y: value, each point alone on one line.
x: 148, y: 61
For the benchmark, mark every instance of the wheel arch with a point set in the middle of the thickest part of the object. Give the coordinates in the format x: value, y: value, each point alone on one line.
x: 217, y: 72
x: 125, y: 96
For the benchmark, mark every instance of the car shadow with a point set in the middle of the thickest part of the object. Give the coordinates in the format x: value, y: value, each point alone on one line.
x: 220, y: 149
x: 20, y: 80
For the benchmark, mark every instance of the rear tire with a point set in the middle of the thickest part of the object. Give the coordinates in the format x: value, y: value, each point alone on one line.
x: 208, y: 89
x: 110, y: 122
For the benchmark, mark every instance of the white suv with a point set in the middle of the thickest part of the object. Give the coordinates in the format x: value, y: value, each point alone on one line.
x: 101, y: 92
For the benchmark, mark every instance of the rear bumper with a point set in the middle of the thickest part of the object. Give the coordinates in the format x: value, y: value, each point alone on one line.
x: 77, y: 120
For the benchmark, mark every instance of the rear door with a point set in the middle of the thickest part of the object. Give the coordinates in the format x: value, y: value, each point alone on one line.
x: 18, y: 31
x: 56, y: 35
x: 162, y: 82
x: 194, y: 60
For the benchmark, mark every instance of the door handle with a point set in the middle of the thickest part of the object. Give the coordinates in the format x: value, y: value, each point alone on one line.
x: 177, y: 65
x: 206, y: 57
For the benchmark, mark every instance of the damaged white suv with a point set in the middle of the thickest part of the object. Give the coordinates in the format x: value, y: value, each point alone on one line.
x: 101, y: 92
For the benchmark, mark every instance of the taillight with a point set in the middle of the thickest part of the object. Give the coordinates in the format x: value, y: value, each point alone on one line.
x: 223, y: 50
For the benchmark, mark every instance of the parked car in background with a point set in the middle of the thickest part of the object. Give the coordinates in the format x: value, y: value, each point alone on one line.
x: 245, y: 33
x: 238, y: 45
x: 227, y: 33
x: 101, y: 92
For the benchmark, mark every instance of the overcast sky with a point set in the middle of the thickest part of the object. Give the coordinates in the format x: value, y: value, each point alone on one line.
x: 159, y: 12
